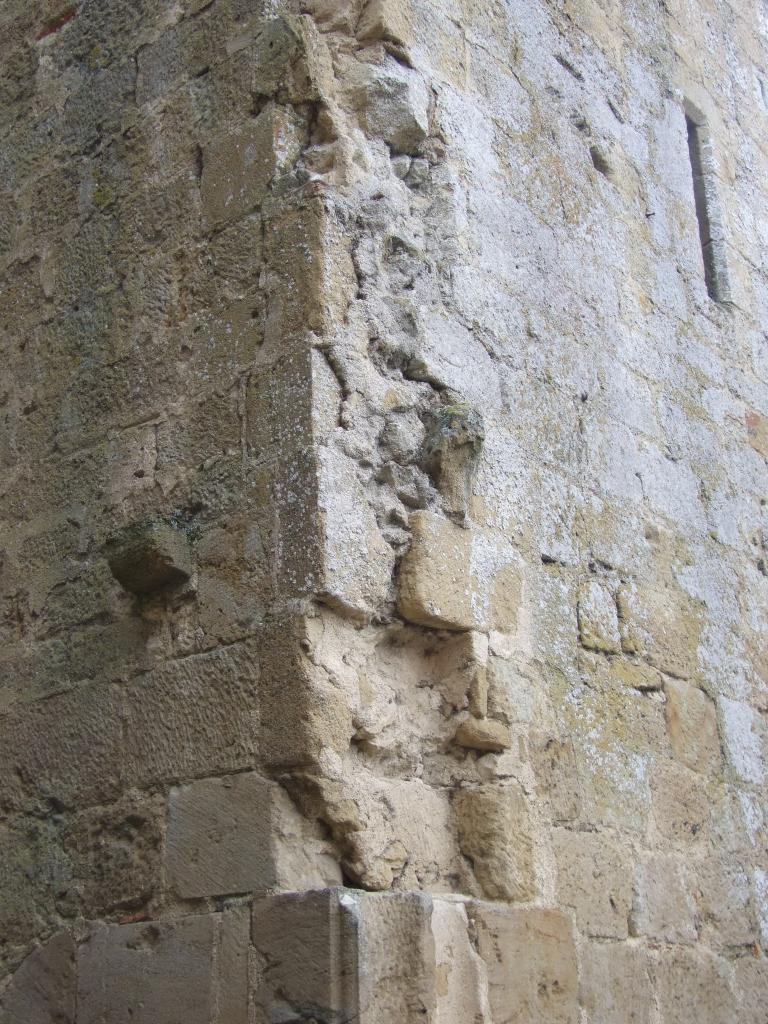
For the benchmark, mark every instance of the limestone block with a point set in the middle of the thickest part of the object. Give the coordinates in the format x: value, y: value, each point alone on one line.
x: 307, y: 946
x: 150, y: 556
x: 594, y: 876
x: 494, y: 832
x: 746, y: 740
x: 195, y: 716
x: 692, y: 726
x: 530, y: 957
x: 391, y: 20
x: 680, y: 805
x: 662, y: 625
x: 239, y: 166
x: 614, y: 985
x: 693, y: 985
x: 435, y: 586
x: 393, y: 101
x: 482, y: 734
x: 751, y: 984
x: 42, y: 990
x: 161, y: 972
x: 378, y: 958
x: 724, y: 899
x: 598, y: 620
x: 241, y: 833
x: 557, y: 777
x: 663, y: 908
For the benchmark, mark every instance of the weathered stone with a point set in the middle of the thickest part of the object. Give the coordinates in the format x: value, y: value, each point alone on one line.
x: 158, y: 972
x: 536, y: 948
x: 664, y: 907
x: 593, y: 878
x: 495, y: 833
x: 615, y: 983
x: 482, y: 734
x: 42, y: 990
x: 239, y: 834
x: 435, y: 584
x: 692, y: 725
x: 694, y: 985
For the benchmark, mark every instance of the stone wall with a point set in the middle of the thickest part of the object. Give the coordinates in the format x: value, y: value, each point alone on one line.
x: 385, y: 545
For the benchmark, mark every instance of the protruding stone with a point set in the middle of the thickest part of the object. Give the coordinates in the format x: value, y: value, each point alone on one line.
x: 482, y: 734
x: 150, y: 556
x: 435, y: 587
x: 494, y: 832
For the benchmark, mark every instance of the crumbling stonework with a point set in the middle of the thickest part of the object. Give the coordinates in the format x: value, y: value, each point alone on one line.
x: 384, y: 512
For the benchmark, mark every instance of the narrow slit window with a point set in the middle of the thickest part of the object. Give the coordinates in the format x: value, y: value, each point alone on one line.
x: 707, y: 212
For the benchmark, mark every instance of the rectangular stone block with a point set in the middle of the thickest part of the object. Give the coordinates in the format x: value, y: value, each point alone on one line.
x: 530, y: 957
x: 239, y: 834
x: 164, y: 972
x: 594, y: 877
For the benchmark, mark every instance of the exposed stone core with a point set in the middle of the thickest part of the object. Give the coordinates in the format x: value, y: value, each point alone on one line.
x: 384, y: 515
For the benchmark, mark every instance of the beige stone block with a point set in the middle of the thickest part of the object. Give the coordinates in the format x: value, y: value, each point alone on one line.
x: 239, y: 166
x: 663, y: 908
x: 494, y: 832
x: 557, y: 777
x: 694, y: 986
x: 662, y: 625
x: 680, y: 805
x: 435, y: 585
x: 598, y: 620
x: 751, y: 984
x: 163, y: 972
x: 692, y: 726
x: 614, y: 985
x: 460, y: 976
x: 530, y: 957
x: 241, y: 833
x: 42, y: 990
x: 483, y: 734
x: 391, y: 20
x: 594, y: 877
x: 724, y: 900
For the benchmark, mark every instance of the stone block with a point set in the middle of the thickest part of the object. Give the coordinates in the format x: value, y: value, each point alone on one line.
x: 494, y: 833
x: 663, y: 908
x: 239, y: 166
x: 241, y: 833
x: 393, y: 101
x: 614, y: 984
x: 307, y: 946
x: 42, y: 991
x: 482, y: 734
x: 163, y: 972
x: 435, y: 585
x: 662, y: 625
x: 594, y: 877
x: 530, y: 958
x: 680, y: 805
x: 751, y: 983
x: 692, y: 726
x: 693, y: 985
x: 598, y: 619
x: 391, y: 20
x: 557, y: 777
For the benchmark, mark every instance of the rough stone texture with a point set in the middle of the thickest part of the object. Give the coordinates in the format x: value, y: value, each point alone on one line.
x: 384, y: 438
